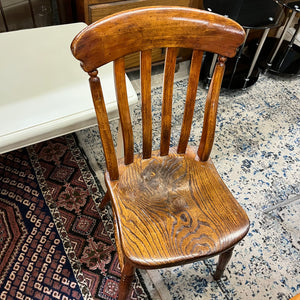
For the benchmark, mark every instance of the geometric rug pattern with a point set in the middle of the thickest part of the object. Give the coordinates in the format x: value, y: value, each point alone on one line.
x: 54, y: 241
x: 34, y: 264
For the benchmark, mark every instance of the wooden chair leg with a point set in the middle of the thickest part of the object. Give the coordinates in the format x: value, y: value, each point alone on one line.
x: 105, y: 200
x: 126, y: 279
x: 224, y: 258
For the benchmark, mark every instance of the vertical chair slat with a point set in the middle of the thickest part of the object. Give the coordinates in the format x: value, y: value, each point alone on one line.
x: 190, y: 100
x: 103, y: 124
x: 124, y: 113
x: 210, y: 113
x: 166, y: 114
x: 146, y: 102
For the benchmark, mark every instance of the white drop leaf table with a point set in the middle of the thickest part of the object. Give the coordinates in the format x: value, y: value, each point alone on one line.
x: 44, y: 93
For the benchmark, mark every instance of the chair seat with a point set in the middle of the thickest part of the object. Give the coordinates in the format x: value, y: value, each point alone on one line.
x: 174, y: 209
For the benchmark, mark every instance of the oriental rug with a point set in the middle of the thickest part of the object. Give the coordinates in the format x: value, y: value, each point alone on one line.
x: 257, y: 152
x: 54, y: 242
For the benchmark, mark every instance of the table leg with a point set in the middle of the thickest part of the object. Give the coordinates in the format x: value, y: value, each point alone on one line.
x: 287, y: 26
x: 211, y: 70
x: 290, y: 45
x: 260, y: 45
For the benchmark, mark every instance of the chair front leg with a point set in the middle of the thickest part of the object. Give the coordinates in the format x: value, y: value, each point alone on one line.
x: 127, y: 276
x: 224, y: 258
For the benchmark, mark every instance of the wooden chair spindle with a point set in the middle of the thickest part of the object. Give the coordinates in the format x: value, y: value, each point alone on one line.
x: 146, y: 102
x: 124, y: 112
x: 190, y: 100
x: 166, y: 113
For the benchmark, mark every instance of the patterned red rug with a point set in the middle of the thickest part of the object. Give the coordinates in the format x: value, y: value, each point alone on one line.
x: 54, y: 242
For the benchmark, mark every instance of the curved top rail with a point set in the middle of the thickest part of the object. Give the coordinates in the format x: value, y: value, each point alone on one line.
x: 154, y: 27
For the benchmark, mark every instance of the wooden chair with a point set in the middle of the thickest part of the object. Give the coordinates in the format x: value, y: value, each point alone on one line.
x: 170, y: 205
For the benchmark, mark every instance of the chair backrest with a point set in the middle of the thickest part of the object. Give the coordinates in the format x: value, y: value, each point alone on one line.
x: 141, y: 30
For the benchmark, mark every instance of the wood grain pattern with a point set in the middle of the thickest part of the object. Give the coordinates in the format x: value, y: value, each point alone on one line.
x: 170, y: 205
x: 174, y: 209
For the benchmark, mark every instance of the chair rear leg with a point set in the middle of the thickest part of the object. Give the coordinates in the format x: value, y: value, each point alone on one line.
x: 104, y: 201
x: 126, y: 279
x: 224, y: 258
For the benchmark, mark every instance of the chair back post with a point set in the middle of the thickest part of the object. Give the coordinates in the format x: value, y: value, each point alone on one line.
x: 103, y: 125
x: 210, y: 112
